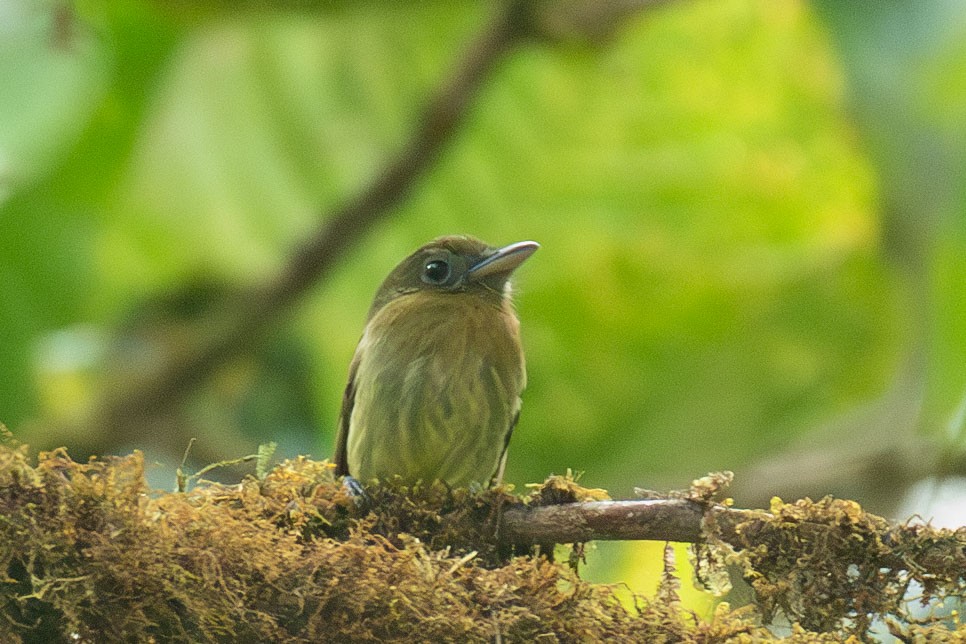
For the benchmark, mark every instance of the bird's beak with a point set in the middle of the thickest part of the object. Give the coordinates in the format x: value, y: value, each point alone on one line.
x: 503, y: 261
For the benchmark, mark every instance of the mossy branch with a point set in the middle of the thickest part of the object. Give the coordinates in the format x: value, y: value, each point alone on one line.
x: 89, y: 552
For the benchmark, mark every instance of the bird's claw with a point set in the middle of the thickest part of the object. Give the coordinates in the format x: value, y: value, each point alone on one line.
x: 356, y: 492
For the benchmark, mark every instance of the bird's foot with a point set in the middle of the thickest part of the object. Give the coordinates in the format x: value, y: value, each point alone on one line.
x: 356, y: 492
x: 476, y: 488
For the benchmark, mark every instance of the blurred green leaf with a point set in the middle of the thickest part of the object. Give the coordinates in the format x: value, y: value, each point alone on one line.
x: 712, y: 281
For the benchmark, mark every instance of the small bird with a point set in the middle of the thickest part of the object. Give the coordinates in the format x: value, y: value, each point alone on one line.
x: 434, y: 386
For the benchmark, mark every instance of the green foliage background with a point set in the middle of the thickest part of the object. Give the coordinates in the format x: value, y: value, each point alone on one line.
x: 718, y: 273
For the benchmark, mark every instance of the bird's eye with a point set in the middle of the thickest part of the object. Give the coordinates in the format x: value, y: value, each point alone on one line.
x: 436, y: 272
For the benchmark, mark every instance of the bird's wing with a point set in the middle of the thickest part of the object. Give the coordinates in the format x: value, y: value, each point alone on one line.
x: 341, y: 456
x: 498, y: 477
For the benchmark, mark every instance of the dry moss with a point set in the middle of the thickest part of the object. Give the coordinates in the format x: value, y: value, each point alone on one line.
x: 835, y: 568
x: 88, y: 553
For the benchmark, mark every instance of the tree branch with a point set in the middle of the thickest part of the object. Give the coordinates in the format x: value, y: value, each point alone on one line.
x: 234, y: 326
x: 242, y: 322
x: 446, y: 111
x: 646, y: 519
x: 803, y: 528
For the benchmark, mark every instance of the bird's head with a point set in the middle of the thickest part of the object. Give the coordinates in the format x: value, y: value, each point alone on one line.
x: 454, y: 264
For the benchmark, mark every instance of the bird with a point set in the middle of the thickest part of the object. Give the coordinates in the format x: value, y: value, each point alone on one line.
x: 435, y: 382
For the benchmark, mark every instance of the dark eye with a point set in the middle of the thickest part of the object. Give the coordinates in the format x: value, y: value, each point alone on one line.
x: 436, y: 272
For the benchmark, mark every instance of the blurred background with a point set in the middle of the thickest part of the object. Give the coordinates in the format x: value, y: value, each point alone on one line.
x: 753, y: 220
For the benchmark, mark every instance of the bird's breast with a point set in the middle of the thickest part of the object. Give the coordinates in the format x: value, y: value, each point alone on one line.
x: 437, y: 387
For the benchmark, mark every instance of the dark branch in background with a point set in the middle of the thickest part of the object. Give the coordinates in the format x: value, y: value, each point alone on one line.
x: 233, y: 328
x: 447, y: 110
x: 583, y: 20
x: 237, y: 326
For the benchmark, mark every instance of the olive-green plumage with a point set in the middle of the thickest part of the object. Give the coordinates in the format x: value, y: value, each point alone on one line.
x: 434, y: 386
